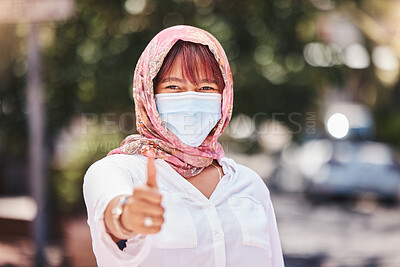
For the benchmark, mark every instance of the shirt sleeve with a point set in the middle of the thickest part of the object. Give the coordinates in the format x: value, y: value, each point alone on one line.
x: 103, y: 181
x: 277, y: 257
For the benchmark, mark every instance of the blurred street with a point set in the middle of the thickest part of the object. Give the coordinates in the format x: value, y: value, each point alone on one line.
x: 361, y: 233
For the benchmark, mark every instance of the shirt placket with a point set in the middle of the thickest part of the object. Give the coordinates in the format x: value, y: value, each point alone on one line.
x: 212, y: 216
x: 217, y: 234
x: 215, y: 224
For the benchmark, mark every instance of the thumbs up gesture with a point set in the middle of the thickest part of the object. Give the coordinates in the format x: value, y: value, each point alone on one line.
x: 143, y: 212
x: 151, y: 173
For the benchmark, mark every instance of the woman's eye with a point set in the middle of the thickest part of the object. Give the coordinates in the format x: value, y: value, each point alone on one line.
x: 207, y: 88
x: 173, y: 87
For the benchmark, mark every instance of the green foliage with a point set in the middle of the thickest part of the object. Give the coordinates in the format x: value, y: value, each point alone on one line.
x: 79, y: 151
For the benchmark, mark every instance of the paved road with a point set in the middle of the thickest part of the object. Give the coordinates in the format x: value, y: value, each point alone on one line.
x: 361, y: 233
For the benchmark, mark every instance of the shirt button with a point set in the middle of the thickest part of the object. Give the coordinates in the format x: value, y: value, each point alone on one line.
x: 218, y: 235
x: 210, y: 207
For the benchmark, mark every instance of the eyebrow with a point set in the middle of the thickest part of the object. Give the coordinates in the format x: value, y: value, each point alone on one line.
x: 208, y: 81
x: 174, y: 79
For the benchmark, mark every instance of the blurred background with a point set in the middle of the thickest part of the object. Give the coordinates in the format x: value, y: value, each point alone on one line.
x: 316, y: 114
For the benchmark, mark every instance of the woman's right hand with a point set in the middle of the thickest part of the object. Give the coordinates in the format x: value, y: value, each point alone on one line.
x: 145, y: 201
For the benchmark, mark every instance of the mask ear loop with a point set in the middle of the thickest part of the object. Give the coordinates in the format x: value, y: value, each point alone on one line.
x: 219, y: 172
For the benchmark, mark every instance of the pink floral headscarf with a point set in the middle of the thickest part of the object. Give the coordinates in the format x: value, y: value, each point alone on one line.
x: 186, y: 160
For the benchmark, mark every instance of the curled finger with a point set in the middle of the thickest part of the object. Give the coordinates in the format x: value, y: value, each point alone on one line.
x: 148, y: 194
x: 143, y: 207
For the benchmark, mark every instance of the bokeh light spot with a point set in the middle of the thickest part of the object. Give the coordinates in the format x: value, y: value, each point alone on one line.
x: 338, y: 125
x: 135, y: 7
x: 356, y: 56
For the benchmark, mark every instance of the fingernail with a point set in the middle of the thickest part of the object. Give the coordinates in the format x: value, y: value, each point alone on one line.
x: 148, y: 151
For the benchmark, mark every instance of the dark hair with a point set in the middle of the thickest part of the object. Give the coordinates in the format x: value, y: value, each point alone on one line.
x: 195, y: 57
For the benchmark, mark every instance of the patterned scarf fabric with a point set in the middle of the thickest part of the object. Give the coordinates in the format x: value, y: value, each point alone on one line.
x: 153, y: 134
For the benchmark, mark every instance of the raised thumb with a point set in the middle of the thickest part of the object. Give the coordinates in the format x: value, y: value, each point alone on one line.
x: 151, y: 173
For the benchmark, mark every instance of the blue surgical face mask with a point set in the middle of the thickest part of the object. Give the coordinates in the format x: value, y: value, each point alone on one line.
x: 189, y: 115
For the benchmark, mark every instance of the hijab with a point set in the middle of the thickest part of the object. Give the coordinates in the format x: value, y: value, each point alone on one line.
x: 153, y: 133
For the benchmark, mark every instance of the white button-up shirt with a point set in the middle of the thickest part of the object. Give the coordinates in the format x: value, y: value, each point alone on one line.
x: 236, y: 226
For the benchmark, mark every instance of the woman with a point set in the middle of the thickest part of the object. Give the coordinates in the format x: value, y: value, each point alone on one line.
x: 191, y: 206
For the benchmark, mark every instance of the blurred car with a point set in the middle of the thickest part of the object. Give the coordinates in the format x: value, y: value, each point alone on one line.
x: 344, y: 168
x: 343, y: 163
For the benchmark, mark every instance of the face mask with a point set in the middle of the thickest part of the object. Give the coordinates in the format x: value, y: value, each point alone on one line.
x: 189, y: 115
